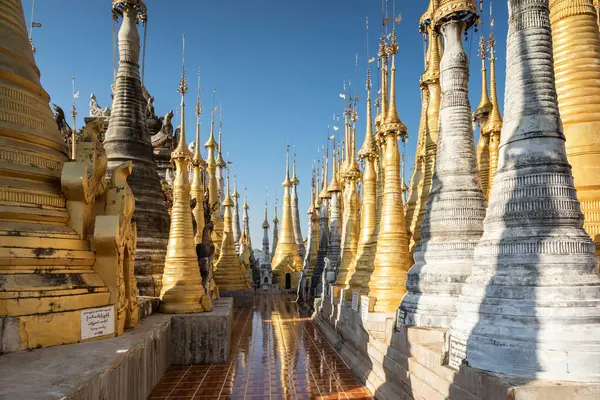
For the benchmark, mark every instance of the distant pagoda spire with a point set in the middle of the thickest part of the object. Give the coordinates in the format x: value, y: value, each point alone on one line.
x: 296, y: 212
x: 237, y: 230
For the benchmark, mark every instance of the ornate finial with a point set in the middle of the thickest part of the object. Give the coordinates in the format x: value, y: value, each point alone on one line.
x: 235, y: 192
x: 182, y: 150
x: 295, y: 179
x: 287, y: 181
x: 245, y: 206
x: 211, y: 142
x: 392, y: 121
x: 198, y: 103
x: 485, y: 106
x: 198, y: 160
x: 74, y: 116
x: 367, y: 148
x: 220, y: 161
x: 265, y: 224
x: 227, y: 202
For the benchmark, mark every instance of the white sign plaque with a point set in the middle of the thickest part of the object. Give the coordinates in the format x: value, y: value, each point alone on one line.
x: 355, y: 299
x: 364, y: 308
x: 97, y: 322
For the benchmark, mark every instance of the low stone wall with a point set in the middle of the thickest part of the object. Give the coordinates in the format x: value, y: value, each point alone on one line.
x: 410, y: 364
x: 124, y: 367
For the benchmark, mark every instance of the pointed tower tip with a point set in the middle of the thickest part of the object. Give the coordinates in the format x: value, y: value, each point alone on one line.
x: 287, y: 182
x: 294, y: 181
x: 392, y: 122
x: 494, y: 122
x: 235, y: 194
x: 228, y: 202
x: 485, y: 106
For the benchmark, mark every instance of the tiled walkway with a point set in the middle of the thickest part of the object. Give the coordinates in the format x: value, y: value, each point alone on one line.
x: 276, y: 354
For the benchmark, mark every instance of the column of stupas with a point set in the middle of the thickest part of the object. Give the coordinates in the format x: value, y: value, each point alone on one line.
x: 576, y: 48
x: 286, y: 262
x: 456, y: 207
x: 127, y: 139
x: 335, y: 218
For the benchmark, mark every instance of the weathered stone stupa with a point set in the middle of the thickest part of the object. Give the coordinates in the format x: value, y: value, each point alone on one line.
x: 310, y: 259
x: 296, y: 212
x: 576, y: 47
x: 127, y: 139
x: 286, y: 261
x: 323, y: 211
x: 367, y: 242
x: 265, y: 241
x: 335, y: 217
x: 182, y: 290
x: 392, y: 259
x: 454, y: 218
x: 533, y: 295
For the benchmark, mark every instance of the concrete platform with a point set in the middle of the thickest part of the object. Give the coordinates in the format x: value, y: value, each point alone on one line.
x: 124, y: 367
x: 203, y: 338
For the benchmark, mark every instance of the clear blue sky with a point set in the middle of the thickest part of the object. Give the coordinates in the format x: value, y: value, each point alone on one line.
x: 278, y: 67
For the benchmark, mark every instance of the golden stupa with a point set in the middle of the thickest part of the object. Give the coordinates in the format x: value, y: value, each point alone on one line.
x: 229, y: 273
x: 576, y: 46
x: 350, y: 224
x: 367, y: 242
x: 392, y: 260
x: 54, y: 212
x: 182, y: 290
x: 286, y: 262
x: 213, y: 190
x: 493, y: 126
x: 480, y: 116
x: 198, y: 168
x: 420, y: 186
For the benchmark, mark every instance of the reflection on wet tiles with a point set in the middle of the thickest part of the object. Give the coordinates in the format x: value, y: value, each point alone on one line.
x: 276, y: 354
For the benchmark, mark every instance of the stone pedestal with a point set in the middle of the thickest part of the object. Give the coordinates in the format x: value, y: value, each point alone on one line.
x: 203, y: 337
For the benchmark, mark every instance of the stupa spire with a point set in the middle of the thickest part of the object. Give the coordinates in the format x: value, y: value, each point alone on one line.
x: 296, y: 211
x: 367, y: 241
x: 480, y: 115
x: 237, y: 230
x: 199, y: 165
x: 323, y: 214
x: 265, y: 226
x: 182, y: 290
x: 275, y: 227
x: 213, y: 190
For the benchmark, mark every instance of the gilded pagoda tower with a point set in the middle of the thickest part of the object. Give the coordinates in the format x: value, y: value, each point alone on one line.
x: 198, y: 168
x: 351, y: 175
x: 127, y: 138
x: 421, y: 181
x: 576, y: 46
x: 182, y: 290
x: 480, y: 116
x: 220, y: 162
x: 392, y: 259
x: 493, y: 126
x: 286, y: 261
x: 237, y: 230
x: 367, y: 242
x: 296, y: 212
x: 275, y: 230
x: 213, y: 191
x: 246, y: 219
x: 229, y: 273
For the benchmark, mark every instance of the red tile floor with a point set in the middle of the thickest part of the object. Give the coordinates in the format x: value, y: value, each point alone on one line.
x: 275, y: 354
